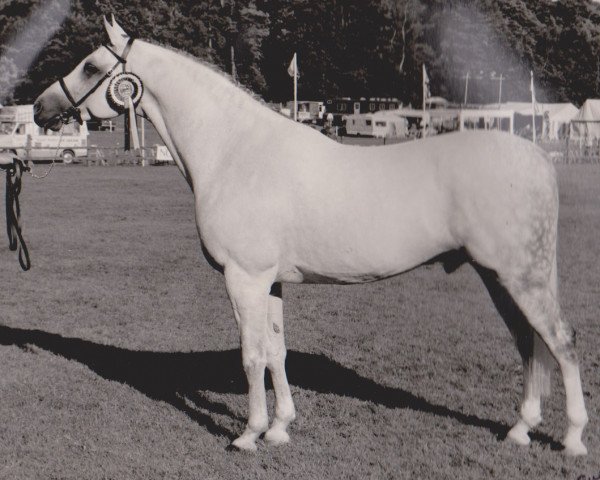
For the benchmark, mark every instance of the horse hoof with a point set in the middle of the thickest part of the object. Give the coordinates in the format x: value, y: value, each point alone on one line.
x: 518, y: 435
x: 244, y: 443
x: 276, y: 436
x: 575, y: 448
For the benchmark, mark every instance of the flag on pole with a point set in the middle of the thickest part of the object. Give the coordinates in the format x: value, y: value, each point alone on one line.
x: 293, y: 72
x: 426, y: 95
x: 426, y: 91
x: 293, y: 68
x: 532, y: 89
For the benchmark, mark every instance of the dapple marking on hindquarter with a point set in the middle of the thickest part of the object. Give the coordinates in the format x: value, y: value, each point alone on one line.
x: 278, y: 202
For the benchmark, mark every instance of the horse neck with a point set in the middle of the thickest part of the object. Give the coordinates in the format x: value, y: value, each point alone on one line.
x: 196, y: 110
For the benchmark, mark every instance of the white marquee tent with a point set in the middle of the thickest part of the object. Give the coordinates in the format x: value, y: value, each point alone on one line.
x: 585, y: 126
x: 555, y: 117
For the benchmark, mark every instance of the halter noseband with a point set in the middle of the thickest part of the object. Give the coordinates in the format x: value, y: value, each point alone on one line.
x: 73, y: 111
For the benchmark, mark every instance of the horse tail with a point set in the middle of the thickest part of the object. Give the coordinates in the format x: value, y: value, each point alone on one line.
x: 540, y: 366
x: 542, y: 361
x: 537, y: 358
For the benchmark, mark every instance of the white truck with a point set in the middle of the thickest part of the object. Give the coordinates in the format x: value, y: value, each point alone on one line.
x: 309, y: 111
x: 19, y: 133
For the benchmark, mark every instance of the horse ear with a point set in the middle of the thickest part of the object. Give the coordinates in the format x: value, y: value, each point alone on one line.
x: 117, y: 35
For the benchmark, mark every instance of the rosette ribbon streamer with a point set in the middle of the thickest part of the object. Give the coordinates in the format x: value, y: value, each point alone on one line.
x: 123, y: 94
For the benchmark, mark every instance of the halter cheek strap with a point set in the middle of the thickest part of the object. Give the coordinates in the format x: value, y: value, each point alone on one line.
x: 73, y: 111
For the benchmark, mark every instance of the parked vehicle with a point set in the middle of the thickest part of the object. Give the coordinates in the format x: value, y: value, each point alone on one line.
x: 309, y: 111
x: 19, y: 133
x: 382, y: 124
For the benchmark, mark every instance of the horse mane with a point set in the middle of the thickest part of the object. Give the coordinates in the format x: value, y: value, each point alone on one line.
x: 213, y: 67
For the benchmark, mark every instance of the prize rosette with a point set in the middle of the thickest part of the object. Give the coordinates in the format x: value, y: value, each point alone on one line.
x: 124, y: 89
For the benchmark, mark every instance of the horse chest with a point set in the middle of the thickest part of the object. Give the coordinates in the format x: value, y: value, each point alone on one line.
x: 233, y: 234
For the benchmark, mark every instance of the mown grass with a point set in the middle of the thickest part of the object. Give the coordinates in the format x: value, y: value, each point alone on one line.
x: 119, y: 352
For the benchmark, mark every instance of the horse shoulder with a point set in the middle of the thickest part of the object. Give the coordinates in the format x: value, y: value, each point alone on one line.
x: 239, y: 220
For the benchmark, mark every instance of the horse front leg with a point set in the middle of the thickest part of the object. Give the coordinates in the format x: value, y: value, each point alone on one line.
x: 249, y: 298
x: 276, y: 352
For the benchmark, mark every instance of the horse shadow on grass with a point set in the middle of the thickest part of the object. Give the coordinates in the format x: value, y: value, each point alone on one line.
x: 177, y: 378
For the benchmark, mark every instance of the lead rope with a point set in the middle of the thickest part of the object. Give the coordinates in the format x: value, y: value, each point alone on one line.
x: 14, y: 174
x: 45, y: 174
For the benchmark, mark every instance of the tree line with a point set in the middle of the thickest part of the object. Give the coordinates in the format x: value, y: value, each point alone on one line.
x: 345, y: 47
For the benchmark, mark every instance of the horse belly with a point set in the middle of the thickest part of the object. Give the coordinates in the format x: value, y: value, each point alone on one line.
x: 369, y: 240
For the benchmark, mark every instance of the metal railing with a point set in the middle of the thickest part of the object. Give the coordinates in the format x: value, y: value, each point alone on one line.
x: 95, y: 155
x: 583, y: 151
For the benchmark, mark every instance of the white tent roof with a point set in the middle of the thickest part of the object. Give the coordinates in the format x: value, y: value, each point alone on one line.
x: 520, y: 108
x: 586, y: 124
x: 556, y: 111
x: 590, y: 110
x: 559, y: 112
x: 490, y: 111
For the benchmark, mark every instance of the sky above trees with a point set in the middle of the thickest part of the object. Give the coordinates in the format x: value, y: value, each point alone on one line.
x: 345, y: 47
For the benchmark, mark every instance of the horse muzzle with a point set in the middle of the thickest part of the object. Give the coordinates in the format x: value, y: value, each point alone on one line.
x: 51, y: 110
x: 53, y: 123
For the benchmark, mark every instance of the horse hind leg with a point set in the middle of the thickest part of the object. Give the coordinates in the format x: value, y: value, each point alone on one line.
x: 539, y: 304
x: 536, y: 357
x: 537, y: 366
x: 276, y: 352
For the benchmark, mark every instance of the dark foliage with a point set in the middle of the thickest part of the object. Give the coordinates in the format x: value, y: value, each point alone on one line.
x: 345, y: 47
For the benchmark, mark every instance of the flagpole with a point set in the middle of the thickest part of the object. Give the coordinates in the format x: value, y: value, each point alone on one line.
x: 426, y: 94
x: 293, y: 72
x: 424, y: 89
x: 533, y: 107
x: 295, y: 88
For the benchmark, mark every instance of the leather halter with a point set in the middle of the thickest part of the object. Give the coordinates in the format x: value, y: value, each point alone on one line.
x: 73, y: 111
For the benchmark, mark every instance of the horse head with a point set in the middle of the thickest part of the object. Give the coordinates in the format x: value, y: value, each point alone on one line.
x: 86, y: 91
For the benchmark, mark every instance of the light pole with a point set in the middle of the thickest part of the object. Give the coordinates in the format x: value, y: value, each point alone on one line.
x: 466, y: 77
x: 499, y: 79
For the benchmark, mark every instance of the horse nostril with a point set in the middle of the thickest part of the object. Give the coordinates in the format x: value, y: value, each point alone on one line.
x: 37, y: 108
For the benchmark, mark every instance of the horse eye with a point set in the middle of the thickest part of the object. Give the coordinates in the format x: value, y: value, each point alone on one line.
x: 90, y: 68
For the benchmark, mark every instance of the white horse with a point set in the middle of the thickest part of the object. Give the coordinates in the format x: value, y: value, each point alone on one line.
x: 278, y: 202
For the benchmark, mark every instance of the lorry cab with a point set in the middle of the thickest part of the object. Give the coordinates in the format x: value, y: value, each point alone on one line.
x: 20, y: 134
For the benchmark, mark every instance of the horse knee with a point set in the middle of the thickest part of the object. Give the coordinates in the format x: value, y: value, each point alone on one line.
x: 276, y: 356
x: 254, y: 362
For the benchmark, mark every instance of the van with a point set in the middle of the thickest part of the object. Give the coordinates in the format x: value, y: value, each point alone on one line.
x: 19, y: 133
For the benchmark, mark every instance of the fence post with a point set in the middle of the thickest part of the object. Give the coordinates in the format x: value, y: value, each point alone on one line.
x: 28, y: 148
x: 144, y: 162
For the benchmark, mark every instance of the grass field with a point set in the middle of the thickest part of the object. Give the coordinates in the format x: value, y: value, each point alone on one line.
x: 119, y: 352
